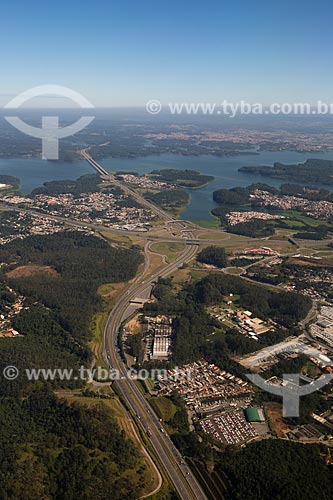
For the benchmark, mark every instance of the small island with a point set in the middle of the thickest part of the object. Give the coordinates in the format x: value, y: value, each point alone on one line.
x: 182, y: 178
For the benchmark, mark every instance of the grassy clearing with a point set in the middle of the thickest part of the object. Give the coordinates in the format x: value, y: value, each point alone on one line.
x: 292, y: 223
x: 209, y: 224
x: 306, y: 251
x: 329, y: 253
x: 117, y: 238
x: 111, y: 291
x: 170, y: 249
x: 282, y: 234
x: 164, y: 408
x: 156, y: 263
x: 216, y: 235
x: 311, y: 370
x: 96, y: 344
x: 234, y: 270
x: 295, y: 217
x: 168, y: 246
x: 198, y: 275
x: 181, y: 275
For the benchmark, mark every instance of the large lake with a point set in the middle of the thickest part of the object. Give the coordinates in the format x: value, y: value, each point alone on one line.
x: 33, y: 172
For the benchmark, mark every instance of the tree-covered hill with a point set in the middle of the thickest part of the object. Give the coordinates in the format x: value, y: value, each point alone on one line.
x: 279, y: 470
x: 48, y: 449
x: 215, y: 256
x: 53, y: 451
x: 82, y: 262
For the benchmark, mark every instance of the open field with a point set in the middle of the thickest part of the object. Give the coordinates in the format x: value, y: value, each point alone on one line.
x: 274, y: 415
x: 298, y: 217
x: 117, y: 238
x: 170, y: 249
x: 110, y: 291
x: 164, y: 408
x: 282, y: 234
x: 234, y: 270
x: 156, y: 263
x: 96, y: 327
x: 29, y: 271
x: 181, y: 275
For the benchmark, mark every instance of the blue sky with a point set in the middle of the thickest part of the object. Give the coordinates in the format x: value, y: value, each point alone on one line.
x: 123, y: 53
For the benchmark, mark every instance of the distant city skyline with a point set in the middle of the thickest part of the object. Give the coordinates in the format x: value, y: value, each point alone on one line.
x: 123, y: 54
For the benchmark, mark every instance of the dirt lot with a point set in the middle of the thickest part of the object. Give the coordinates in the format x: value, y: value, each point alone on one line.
x: 309, y: 262
x: 134, y: 325
x: 274, y: 413
x: 27, y: 271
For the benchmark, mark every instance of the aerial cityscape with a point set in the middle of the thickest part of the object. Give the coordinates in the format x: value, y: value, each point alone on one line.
x: 166, y: 251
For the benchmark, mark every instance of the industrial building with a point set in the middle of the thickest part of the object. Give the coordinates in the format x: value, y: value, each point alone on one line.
x: 161, y: 347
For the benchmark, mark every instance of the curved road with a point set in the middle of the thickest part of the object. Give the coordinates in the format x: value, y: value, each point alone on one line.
x: 176, y: 469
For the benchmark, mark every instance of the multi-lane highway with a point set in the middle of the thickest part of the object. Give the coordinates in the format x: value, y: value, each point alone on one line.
x: 169, y: 457
x: 171, y: 460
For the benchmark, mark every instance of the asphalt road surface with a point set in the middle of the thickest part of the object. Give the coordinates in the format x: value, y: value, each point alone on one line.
x: 177, y: 470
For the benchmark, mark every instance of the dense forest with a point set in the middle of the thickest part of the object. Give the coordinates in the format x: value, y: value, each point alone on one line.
x: 85, y: 184
x: 172, y: 200
x: 286, y: 308
x: 215, y: 256
x: 279, y: 470
x: 45, y: 344
x: 52, y: 450
x: 183, y: 178
x: 314, y: 233
x: 235, y: 196
x: 312, y: 171
x: 49, y: 449
x: 308, y: 193
x: 240, y: 195
x: 256, y: 228
x: 9, y: 179
x: 81, y: 263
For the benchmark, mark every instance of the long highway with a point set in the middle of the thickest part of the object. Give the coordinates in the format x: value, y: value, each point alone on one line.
x: 175, y: 468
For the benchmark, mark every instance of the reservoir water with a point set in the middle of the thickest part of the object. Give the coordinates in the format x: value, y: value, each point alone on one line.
x: 34, y: 172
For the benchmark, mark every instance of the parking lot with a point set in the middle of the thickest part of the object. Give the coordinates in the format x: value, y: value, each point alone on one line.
x: 229, y: 428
